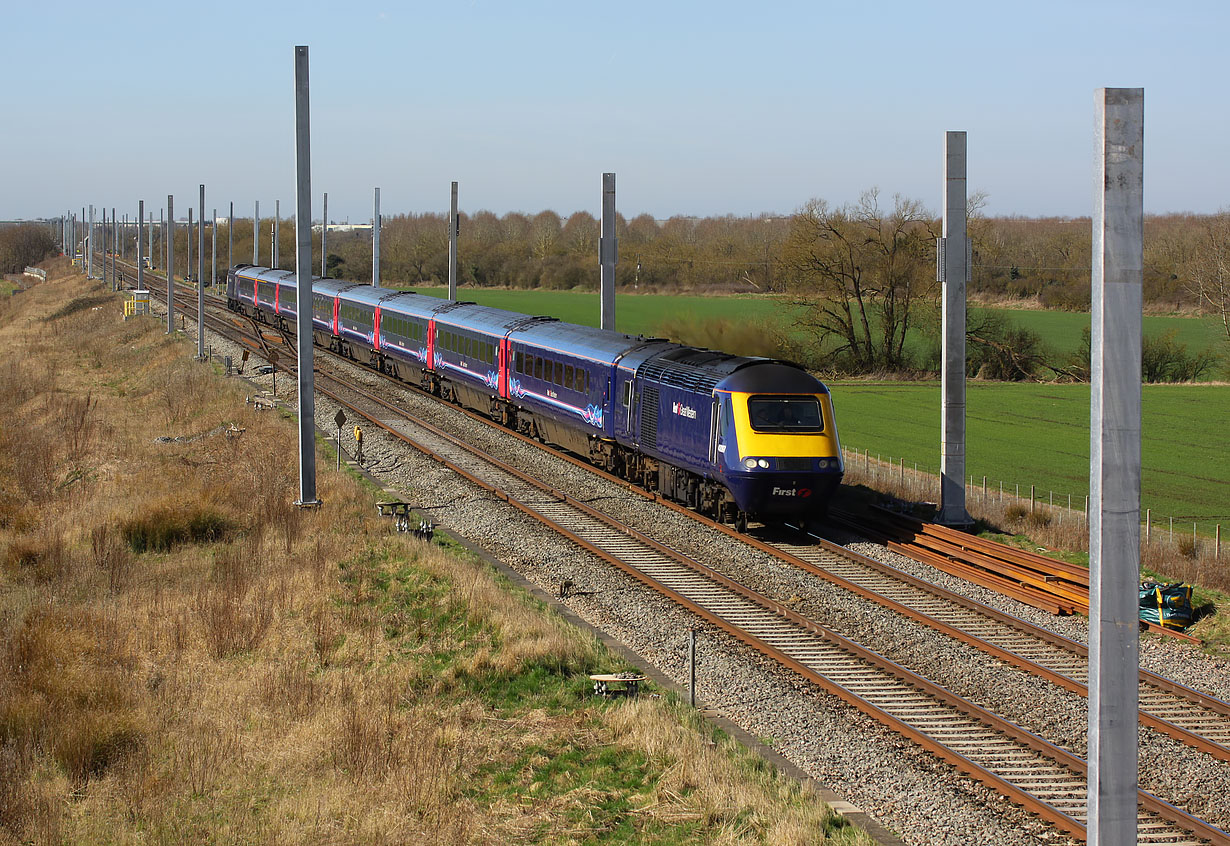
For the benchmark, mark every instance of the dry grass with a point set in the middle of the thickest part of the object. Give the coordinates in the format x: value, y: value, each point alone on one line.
x: 185, y: 657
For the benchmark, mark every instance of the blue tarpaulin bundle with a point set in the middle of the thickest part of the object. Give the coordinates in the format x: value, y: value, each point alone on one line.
x: 1166, y: 605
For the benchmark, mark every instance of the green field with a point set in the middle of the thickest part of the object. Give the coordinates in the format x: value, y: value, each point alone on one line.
x: 634, y: 314
x: 1039, y: 434
x: 644, y: 315
x: 1061, y: 330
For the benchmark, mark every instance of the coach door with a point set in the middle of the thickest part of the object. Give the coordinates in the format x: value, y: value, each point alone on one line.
x: 625, y: 402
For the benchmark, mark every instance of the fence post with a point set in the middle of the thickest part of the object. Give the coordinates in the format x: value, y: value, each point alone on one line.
x: 1148, y: 525
x: 1031, y: 499
x: 984, y: 488
x: 692, y: 668
x: 1217, y: 543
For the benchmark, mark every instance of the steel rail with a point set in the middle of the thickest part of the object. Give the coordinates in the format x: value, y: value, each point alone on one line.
x: 1045, y: 583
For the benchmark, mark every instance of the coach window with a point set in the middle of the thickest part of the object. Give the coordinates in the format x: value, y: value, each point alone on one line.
x: 537, y: 367
x: 559, y: 373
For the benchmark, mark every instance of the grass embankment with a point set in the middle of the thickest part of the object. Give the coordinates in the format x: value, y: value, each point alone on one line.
x: 185, y: 657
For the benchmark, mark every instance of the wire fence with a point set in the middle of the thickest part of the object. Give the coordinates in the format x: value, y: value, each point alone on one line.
x: 1064, y: 514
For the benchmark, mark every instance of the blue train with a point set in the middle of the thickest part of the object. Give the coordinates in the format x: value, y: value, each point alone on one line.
x: 733, y: 437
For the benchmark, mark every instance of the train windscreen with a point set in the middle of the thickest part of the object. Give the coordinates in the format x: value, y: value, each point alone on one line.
x: 785, y: 415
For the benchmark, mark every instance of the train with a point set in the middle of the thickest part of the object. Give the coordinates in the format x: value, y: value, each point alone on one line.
x: 737, y: 438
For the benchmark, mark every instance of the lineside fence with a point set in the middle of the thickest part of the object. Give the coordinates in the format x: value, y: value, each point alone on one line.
x: 37, y: 272
x: 1046, y: 516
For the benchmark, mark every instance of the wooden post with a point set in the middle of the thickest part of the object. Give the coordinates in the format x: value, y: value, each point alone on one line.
x: 692, y: 668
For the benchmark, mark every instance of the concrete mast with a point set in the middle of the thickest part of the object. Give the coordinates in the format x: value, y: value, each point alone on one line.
x: 1114, y: 472
x: 454, y: 224
x: 170, y: 264
x: 200, y: 279
x: 303, y: 279
x: 376, y: 243
x: 140, y: 251
x: 608, y: 253
x: 954, y: 274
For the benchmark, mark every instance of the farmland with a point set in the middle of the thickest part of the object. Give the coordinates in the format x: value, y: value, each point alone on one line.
x: 1039, y: 434
x: 645, y: 315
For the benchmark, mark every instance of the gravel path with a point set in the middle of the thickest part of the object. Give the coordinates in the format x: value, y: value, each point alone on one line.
x: 925, y: 801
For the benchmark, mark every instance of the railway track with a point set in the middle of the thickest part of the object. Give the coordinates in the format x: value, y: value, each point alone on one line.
x: 1043, y: 778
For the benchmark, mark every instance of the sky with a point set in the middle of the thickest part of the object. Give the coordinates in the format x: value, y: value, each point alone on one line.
x: 742, y: 108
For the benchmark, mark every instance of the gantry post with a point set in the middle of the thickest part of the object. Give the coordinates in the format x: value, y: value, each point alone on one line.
x: 170, y: 264
x: 303, y: 278
x: 200, y: 279
x: 954, y: 274
x: 608, y: 253
x: 376, y: 243
x: 453, y: 227
x: 140, y: 251
x: 1114, y: 472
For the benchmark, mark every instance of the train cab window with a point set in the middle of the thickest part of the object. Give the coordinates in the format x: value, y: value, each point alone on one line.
x: 627, y: 397
x: 794, y: 415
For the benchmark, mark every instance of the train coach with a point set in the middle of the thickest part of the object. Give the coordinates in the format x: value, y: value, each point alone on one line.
x: 734, y: 437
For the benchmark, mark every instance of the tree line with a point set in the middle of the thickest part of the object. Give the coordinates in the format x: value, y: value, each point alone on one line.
x: 862, y: 274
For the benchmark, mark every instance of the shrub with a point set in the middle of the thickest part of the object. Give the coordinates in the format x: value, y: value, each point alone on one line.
x: 1016, y: 511
x: 1164, y: 359
x: 163, y: 529
x: 1039, y: 518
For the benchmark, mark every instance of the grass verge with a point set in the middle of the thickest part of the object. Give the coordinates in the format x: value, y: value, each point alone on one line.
x: 185, y: 657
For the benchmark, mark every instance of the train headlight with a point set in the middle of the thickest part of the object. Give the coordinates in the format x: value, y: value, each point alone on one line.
x: 763, y: 464
x: 823, y: 464
x: 749, y: 463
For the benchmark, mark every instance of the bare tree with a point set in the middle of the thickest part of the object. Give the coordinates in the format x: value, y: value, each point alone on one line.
x: 1208, y: 269
x: 860, y: 271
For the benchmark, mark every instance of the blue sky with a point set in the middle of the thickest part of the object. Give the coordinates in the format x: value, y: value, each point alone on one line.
x: 699, y: 108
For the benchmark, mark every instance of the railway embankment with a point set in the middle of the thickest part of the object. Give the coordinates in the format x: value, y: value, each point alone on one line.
x: 185, y: 655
